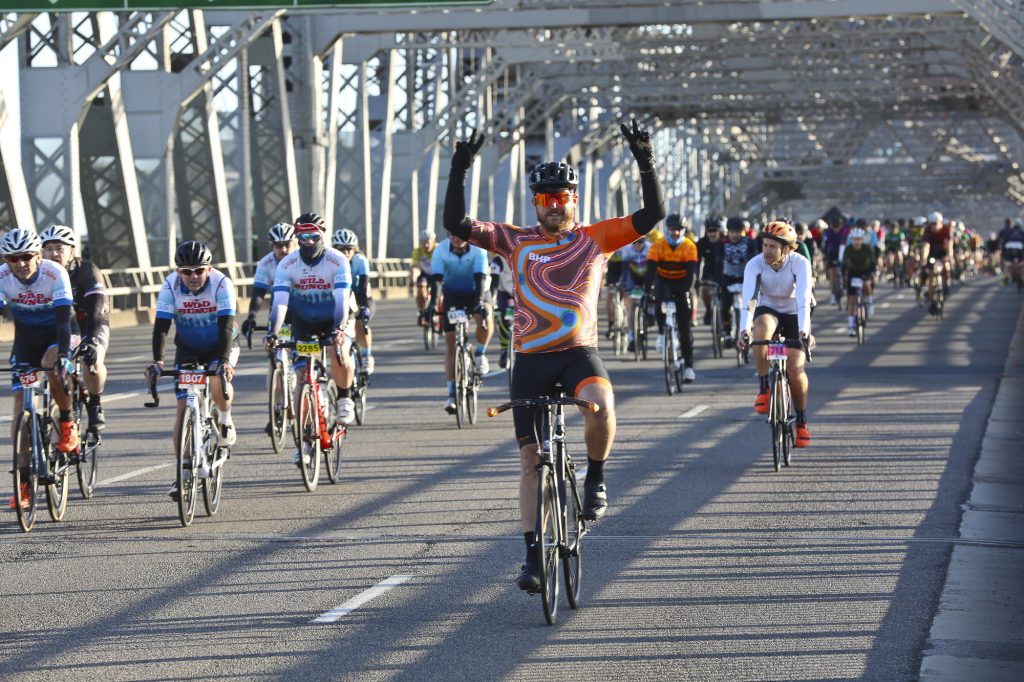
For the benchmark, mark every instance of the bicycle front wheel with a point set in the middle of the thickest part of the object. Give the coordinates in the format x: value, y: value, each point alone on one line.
x: 572, y: 561
x: 23, y: 441
x: 58, y: 469
x: 472, y: 389
x: 278, y: 408
x: 716, y: 329
x: 668, y: 359
x: 332, y: 455
x: 546, y: 543
x: 309, y: 451
x: 87, y: 466
x: 187, y: 481
x: 358, y: 385
x: 212, y: 487
x: 461, y: 387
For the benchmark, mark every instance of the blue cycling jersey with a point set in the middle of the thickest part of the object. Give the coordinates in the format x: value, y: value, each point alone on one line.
x: 458, y: 270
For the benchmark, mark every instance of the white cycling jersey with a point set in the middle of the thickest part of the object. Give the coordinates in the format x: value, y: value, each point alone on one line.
x: 32, y: 304
x: 787, y: 290
x: 266, y: 269
x: 316, y: 294
x: 195, y: 315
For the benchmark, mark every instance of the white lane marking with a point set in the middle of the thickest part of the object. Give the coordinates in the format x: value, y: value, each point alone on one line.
x: 495, y: 373
x: 355, y: 602
x: 693, y: 411
x: 885, y: 305
x: 371, y: 407
x: 130, y: 358
x: 133, y: 474
x: 399, y: 342
x: 106, y: 399
x: 842, y: 330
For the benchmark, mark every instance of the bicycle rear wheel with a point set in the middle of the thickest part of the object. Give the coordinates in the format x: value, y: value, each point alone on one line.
x: 546, y: 543
x: 860, y: 329
x: 309, y: 452
x: 716, y: 328
x: 58, y: 468
x: 572, y: 561
x: 461, y: 387
x: 23, y: 440
x: 332, y: 456
x: 278, y: 408
x: 668, y: 360
x: 187, y: 481
x: 87, y: 466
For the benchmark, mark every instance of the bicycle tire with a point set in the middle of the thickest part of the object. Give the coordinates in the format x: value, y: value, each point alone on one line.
x: 309, y: 452
x: 87, y: 468
x: 472, y: 391
x: 332, y: 455
x: 860, y: 329
x: 667, y: 359
x: 277, y: 407
x: 546, y: 543
x: 58, y: 469
x: 213, y: 486
x: 716, y: 328
x: 778, y: 419
x: 461, y: 381
x: 358, y: 387
x: 186, y: 478
x: 27, y: 516
x: 428, y: 331
x: 637, y: 326
x: 572, y: 562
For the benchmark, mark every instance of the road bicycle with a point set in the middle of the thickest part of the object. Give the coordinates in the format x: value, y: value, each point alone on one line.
x: 320, y: 436
x: 508, y: 320
x: 360, y: 377
x: 282, y: 388
x: 670, y: 356
x: 934, y: 293
x: 86, y: 457
x: 467, y: 379
x: 639, y: 322
x: 860, y: 308
x: 200, y: 457
x: 781, y: 416
x: 47, y: 467
x: 560, y: 526
x: 431, y: 330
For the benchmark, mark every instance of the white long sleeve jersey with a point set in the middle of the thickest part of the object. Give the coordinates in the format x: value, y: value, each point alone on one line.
x: 787, y: 290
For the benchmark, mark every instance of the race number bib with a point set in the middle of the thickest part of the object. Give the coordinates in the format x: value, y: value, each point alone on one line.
x: 308, y: 348
x: 286, y: 333
x: 189, y: 378
x: 776, y: 351
x: 856, y: 282
x: 1014, y: 246
x: 735, y: 288
x: 668, y: 307
x: 456, y: 316
x: 29, y: 379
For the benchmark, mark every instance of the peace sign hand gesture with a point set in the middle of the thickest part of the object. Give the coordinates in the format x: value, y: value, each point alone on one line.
x: 466, y: 150
x: 639, y: 143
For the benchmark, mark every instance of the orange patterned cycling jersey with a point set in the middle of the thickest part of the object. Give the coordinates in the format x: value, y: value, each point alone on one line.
x: 557, y: 279
x: 672, y: 262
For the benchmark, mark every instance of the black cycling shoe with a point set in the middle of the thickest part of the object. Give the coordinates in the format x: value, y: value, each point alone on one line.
x: 96, y: 420
x: 595, y: 501
x: 529, y: 580
x: 173, y: 492
x: 269, y: 429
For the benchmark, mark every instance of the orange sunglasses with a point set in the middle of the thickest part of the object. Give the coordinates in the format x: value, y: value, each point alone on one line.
x: 554, y: 199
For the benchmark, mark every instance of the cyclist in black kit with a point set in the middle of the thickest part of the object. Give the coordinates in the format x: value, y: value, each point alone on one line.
x: 91, y: 314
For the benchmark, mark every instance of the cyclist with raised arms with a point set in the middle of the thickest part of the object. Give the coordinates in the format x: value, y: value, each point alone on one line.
x: 671, y: 274
x: 557, y: 265
x: 312, y: 284
x: 460, y: 272
x: 200, y: 301
x: 421, y: 261
x: 39, y: 294
x: 347, y: 242
x: 781, y: 282
x: 91, y: 314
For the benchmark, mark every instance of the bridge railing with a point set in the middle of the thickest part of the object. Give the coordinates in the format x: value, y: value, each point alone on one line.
x: 138, y: 288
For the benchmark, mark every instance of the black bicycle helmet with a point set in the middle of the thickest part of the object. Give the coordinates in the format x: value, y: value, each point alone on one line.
x: 310, y: 219
x: 735, y: 224
x: 714, y: 222
x: 192, y: 254
x: 673, y: 220
x: 553, y: 175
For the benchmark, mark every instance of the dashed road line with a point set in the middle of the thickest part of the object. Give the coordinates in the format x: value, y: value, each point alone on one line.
x: 355, y: 602
x: 137, y: 472
x: 693, y: 411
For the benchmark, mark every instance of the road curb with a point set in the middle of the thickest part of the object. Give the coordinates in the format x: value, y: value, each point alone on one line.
x: 978, y: 629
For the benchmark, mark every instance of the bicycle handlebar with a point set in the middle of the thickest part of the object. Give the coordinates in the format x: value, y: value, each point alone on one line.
x: 543, y: 402
x: 153, y: 376
x: 803, y: 343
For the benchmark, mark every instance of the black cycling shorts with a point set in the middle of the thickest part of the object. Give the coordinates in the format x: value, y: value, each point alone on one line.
x: 788, y: 325
x: 614, y: 273
x: 536, y: 374
x: 452, y: 301
x: 30, y: 345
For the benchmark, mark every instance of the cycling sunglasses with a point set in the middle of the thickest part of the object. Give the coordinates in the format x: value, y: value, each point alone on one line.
x: 554, y: 199
x: 192, y: 271
x: 23, y: 258
x: 309, y: 237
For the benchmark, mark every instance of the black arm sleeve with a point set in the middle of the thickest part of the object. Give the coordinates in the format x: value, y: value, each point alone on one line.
x: 691, y: 277
x: 652, y: 267
x: 478, y: 288
x: 160, y: 329
x: 653, y: 210
x: 225, y: 328
x: 92, y: 308
x: 435, y: 283
x: 455, y: 219
x: 360, y: 288
x: 256, y: 302
x: 62, y: 314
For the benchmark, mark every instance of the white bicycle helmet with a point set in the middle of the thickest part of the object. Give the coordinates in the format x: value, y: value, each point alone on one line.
x: 58, y: 233
x: 920, y: 221
x: 857, y: 233
x: 427, y: 235
x: 935, y: 217
x: 282, y: 232
x: 345, y: 238
x: 19, y: 240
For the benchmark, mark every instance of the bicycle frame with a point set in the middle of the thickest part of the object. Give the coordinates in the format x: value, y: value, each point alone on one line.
x: 197, y: 401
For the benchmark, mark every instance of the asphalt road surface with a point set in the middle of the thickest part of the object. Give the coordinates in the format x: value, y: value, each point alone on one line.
x: 709, y: 564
